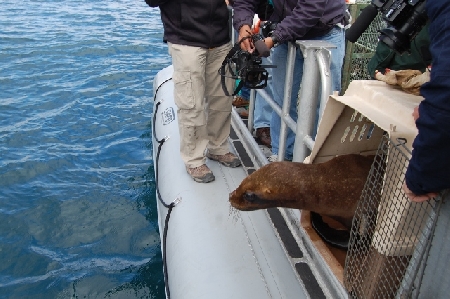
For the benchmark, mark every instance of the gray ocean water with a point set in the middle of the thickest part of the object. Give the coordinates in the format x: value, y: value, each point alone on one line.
x: 77, y: 198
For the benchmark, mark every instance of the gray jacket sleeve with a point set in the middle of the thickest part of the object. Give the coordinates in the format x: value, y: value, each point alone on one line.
x: 305, y: 15
x: 244, y: 11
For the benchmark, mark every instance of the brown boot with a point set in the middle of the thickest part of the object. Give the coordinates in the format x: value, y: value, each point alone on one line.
x: 229, y: 159
x: 263, y: 136
x: 201, y: 174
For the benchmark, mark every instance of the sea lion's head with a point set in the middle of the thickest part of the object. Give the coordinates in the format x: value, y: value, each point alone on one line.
x: 263, y: 189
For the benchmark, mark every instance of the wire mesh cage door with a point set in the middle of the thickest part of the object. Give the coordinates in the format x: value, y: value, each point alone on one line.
x: 390, y: 234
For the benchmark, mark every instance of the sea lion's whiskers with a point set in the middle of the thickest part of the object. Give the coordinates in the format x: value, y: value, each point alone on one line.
x: 234, y: 214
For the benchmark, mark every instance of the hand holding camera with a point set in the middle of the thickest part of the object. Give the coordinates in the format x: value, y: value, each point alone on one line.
x: 244, y: 39
x: 244, y: 61
x: 249, y: 42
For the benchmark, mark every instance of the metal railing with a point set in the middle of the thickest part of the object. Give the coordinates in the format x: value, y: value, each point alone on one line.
x: 316, y: 78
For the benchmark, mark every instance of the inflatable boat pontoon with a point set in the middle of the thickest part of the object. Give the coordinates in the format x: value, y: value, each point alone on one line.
x: 213, y: 251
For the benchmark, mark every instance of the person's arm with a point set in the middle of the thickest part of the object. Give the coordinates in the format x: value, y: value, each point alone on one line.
x: 409, y: 193
x: 305, y: 15
x: 381, y: 59
x: 429, y: 166
x: 244, y: 12
x: 419, y: 57
x: 308, y: 18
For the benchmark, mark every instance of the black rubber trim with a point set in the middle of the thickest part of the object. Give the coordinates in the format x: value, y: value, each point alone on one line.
x: 233, y: 134
x: 285, y: 234
x: 309, y: 280
x: 245, y: 158
x: 243, y: 155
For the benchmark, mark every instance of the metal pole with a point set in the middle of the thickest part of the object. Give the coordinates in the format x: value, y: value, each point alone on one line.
x: 324, y: 60
x: 309, y: 94
x: 251, y: 111
x: 287, y: 99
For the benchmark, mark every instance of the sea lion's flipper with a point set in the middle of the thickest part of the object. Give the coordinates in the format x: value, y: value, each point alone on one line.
x: 334, y: 237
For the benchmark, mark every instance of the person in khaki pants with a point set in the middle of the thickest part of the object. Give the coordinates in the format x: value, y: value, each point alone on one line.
x: 197, y: 32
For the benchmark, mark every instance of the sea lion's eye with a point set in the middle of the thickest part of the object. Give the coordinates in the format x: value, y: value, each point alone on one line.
x: 250, y: 196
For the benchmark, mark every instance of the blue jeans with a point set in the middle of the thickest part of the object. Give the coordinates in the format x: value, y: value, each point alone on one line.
x: 337, y: 37
x: 263, y: 111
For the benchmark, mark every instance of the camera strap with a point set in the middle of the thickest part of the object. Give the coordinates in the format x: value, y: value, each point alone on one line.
x: 226, y: 62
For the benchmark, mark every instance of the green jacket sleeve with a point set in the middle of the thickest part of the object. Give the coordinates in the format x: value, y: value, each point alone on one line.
x: 382, y: 59
x: 419, y: 57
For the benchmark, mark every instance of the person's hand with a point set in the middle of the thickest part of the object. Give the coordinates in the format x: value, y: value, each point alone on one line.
x: 415, y: 113
x: 418, y: 198
x: 245, y: 35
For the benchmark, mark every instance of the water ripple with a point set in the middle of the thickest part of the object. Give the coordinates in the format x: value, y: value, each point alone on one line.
x: 77, y: 199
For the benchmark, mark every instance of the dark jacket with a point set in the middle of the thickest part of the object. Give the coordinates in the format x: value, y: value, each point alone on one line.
x: 297, y: 19
x: 429, y: 167
x: 418, y: 59
x: 198, y: 23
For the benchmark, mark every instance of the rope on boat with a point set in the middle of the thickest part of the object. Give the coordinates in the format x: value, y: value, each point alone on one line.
x: 168, y: 206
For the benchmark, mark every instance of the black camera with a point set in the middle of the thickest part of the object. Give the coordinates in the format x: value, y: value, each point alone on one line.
x: 245, y: 66
x: 405, y: 18
x: 267, y: 28
x: 250, y: 71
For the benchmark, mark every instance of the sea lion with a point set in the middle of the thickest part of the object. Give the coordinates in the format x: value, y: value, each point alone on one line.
x: 332, y: 188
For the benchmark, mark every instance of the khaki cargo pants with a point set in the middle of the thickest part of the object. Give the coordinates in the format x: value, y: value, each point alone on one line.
x: 204, y: 111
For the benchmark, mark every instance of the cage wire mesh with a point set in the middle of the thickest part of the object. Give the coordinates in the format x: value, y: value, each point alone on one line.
x: 358, y: 54
x: 390, y: 234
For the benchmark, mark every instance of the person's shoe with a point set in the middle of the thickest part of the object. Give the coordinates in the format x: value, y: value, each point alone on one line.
x: 240, y: 102
x: 243, y: 113
x: 273, y: 158
x: 201, y: 174
x: 229, y: 159
x: 263, y: 136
